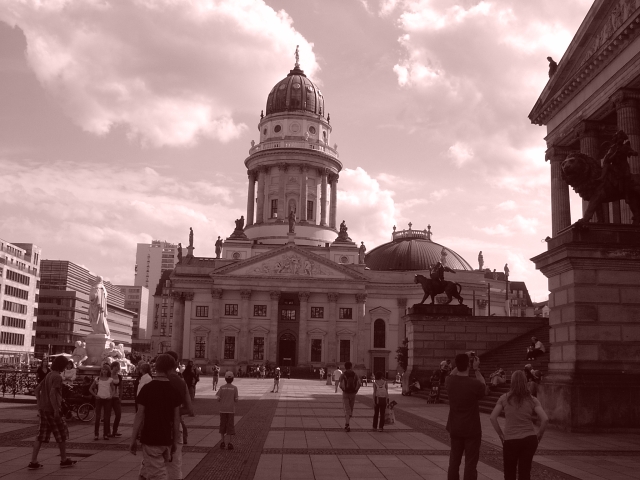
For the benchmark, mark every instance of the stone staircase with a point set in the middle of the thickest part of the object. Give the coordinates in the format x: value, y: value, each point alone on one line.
x: 510, y: 357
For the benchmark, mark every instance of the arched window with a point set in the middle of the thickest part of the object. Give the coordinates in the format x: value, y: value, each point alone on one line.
x: 379, y: 334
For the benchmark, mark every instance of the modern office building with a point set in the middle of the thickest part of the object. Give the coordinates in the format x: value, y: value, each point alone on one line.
x: 63, y: 313
x: 161, y: 315
x: 19, y: 273
x: 137, y: 300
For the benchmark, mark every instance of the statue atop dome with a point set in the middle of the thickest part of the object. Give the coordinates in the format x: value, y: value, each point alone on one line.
x: 343, y: 236
x: 297, y: 55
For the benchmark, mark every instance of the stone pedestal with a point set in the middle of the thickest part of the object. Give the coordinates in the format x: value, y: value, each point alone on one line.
x: 439, y: 309
x: 96, y: 343
x: 594, y: 371
x: 291, y: 238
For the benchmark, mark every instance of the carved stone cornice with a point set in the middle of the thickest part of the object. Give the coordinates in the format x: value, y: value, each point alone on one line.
x: 283, y: 167
x: 304, y: 296
x: 361, y: 297
x: 402, y: 302
x: 245, y: 294
x: 216, y: 293
x: 274, y: 295
x: 588, y: 128
x: 557, y: 153
x: 182, y: 296
x: 625, y: 97
x: 333, y: 297
x: 252, y: 175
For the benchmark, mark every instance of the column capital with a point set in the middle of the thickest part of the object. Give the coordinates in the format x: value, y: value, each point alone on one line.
x: 333, y: 178
x: 557, y: 153
x: 625, y: 97
x: 361, y: 297
x: 283, y: 166
x: 402, y: 302
x: 245, y: 294
x: 182, y: 296
x: 304, y: 296
x: 216, y: 293
x: 252, y: 174
x: 589, y: 128
x: 274, y: 294
x: 333, y: 297
x: 304, y: 168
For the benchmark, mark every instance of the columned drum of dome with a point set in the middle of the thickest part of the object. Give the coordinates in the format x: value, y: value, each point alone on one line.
x: 413, y: 250
x: 291, y: 163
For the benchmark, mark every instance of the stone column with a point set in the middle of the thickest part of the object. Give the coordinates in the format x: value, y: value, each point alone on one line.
x: 303, y: 342
x: 273, y: 326
x: 588, y: 133
x: 282, y: 207
x: 245, y: 295
x: 214, y: 350
x: 402, y: 309
x: 186, y: 337
x: 304, y: 192
x: 331, y: 335
x: 323, y: 197
x: 361, y: 349
x: 626, y: 102
x: 177, y: 328
x: 262, y: 174
x: 560, y: 208
x: 251, y: 197
x: 334, y: 201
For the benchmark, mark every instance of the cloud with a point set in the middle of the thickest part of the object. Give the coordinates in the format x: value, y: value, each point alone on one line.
x: 369, y: 210
x: 497, y: 229
x: 163, y: 69
x: 95, y: 215
x: 438, y: 195
x: 507, y: 205
x: 460, y: 153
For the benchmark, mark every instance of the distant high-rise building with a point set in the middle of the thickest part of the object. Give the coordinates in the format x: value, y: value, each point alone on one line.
x: 152, y: 260
x: 137, y: 300
x: 63, y: 313
x: 19, y: 273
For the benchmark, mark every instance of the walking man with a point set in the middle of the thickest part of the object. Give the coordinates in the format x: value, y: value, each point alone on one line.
x: 228, y: 397
x: 463, y: 423
x: 49, y: 398
x: 337, y: 373
x: 349, y: 384
x: 276, y: 380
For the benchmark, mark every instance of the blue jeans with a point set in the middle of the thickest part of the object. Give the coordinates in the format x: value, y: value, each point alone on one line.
x: 103, y: 404
x: 470, y: 446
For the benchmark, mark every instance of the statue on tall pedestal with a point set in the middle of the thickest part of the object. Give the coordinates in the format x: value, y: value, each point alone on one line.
x: 98, y: 308
x: 239, y: 230
x: 480, y: 260
x: 343, y: 236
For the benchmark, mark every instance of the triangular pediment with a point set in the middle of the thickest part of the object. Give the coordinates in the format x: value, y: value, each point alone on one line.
x: 259, y: 330
x: 345, y: 332
x: 595, y: 44
x: 380, y: 311
x: 316, y: 331
x: 289, y: 261
x: 201, y: 330
x: 230, y: 329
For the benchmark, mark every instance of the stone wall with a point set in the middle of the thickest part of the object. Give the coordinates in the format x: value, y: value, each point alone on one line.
x: 433, y: 338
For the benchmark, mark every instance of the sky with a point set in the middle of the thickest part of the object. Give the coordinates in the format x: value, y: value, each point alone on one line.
x: 123, y: 122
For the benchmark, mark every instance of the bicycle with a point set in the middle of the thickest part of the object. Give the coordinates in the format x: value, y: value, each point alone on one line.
x: 78, y: 404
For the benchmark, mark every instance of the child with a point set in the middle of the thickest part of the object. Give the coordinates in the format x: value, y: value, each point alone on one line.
x: 380, y: 397
x: 227, y: 396
x: 276, y: 380
x: 216, y: 375
x: 103, y: 389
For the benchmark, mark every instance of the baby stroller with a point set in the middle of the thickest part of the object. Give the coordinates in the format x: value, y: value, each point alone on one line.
x: 434, y: 394
x: 414, y: 387
x: 73, y: 401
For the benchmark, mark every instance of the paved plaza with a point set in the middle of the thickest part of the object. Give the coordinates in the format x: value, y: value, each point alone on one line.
x: 298, y: 434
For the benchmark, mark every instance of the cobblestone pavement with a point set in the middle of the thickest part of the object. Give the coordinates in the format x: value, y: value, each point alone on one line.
x: 298, y: 434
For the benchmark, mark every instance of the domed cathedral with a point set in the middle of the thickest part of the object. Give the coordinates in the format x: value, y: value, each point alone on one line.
x: 291, y: 287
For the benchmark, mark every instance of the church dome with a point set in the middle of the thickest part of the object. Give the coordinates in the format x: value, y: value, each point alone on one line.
x: 413, y: 250
x: 295, y: 93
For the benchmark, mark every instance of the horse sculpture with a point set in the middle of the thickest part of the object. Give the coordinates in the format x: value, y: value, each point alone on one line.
x: 434, y: 287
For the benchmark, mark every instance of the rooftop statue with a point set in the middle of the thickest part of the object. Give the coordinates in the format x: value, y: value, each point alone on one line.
x: 480, y: 260
x: 218, y: 247
x: 343, y: 236
x: 297, y: 55
x: 292, y: 222
x: 98, y: 308
x: 553, y: 66
x: 238, y: 232
x: 611, y: 182
x: 190, y: 236
x: 361, y: 253
x: 240, y: 223
x: 179, y: 252
x: 506, y: 270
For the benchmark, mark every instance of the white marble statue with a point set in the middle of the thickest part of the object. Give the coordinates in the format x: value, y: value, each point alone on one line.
x: 110, y: 352
x: 79, y: 354
x: 120, y: 350
x: 98, y: 308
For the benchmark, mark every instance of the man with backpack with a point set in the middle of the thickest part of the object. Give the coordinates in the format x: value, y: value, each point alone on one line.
x: 349, y: 384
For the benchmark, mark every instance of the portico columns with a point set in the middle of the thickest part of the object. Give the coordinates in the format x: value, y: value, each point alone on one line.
x: 177, y: 327
x: 245, y: 295
x: 323, y: 198
x: 590, y: 145
x: 260, y: 206
x: 303, y: 347
x: 333, y: 319
x: 251, y: 197
x: 273, y: 325
x: 304, y: 192
x: 626, y: 102
x: 282, y: 208
x: 186, y: 338
x: 214, y: 348
x: 560, y: 208
x: 334, y: 201
x: 361, y: 298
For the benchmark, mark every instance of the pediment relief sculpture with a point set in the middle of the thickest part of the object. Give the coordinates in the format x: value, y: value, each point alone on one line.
x: 618, y: 15
x: 290, y: 264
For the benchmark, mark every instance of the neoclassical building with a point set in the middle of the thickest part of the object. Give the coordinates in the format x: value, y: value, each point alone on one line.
x: 307, y: 297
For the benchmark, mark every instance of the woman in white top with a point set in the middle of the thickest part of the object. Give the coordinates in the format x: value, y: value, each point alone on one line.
x: 69, y: 373
x: 103, y: 390
x: 380, y: 396
x: 519, y: 439
x: 536, y: 349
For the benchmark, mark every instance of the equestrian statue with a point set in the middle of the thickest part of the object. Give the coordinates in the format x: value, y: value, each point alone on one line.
x: 437, y: 284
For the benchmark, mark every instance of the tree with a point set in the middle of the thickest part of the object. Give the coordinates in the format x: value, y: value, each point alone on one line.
x: 402, y: 354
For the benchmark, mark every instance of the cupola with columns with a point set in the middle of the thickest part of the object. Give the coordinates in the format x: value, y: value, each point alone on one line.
x: 294, y: 166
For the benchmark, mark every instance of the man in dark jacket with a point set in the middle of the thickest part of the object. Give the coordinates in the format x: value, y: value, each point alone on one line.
x: 463, y: 423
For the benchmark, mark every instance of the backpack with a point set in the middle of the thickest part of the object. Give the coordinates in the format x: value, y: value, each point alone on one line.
x: 350, y: 382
